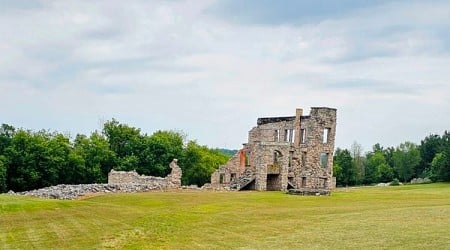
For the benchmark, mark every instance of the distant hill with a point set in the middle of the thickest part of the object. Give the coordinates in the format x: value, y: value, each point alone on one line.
x: 229, y: 152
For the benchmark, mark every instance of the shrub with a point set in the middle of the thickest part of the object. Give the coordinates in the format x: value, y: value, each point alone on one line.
x: 395, y: 182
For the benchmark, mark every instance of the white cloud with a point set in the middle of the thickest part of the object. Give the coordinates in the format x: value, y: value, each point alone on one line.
x: 175, y: 65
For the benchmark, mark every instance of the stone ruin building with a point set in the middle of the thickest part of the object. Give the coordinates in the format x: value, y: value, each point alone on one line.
x: 284, y: 153
x: 171, y: 181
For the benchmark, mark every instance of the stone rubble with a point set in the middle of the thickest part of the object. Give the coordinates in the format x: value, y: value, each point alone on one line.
x: 308, y: 191
x: 118, y: 182
x: 71, y: 192
x: 421, y: 180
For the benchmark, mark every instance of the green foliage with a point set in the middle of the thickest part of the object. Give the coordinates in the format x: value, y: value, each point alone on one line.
x: 346, y: 171
x: 6, y: 134
x: 406, y: 159
x: 429, y: 147
x: 2, y: 174
x: 377, y: 168
x: 441, y: 167
x: 229, y: 152
x: 395, y: 182
x: 374, y: 160
x: 159, y: 150
x: 31, y: 160
x: 199, y: 162
x: 123, y: 139
x: 385, y: 173
x: 91, y: 159
x: 358, y: 162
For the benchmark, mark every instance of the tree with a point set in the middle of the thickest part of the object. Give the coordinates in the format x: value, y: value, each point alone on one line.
x: 406, y: 158
x: 358, y: 161
x: 346, y: 170
x: 441, y: 161
x: 374, y: 159
x: 199, y: 162
x: 123, y: 139
x: 92, y: 159
x: 385, y: 173
x: 24, y: 158
x: 6, y: 134
x: 3, y: 176
x: 159, y: 150
x: 429, y: 147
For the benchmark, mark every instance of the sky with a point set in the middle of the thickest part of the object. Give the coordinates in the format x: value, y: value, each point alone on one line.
x: 211, y: 68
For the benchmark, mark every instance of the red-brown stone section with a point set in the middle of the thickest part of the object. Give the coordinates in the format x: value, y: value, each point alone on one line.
x: 283, y: 153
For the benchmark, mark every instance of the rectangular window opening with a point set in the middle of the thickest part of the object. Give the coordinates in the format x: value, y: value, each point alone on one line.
x: 324, y: 160
x: 303, y: 159
x: 277, y: 135
x: 247, y: 159
x: 303, y: 181
x: 288, y: 135
x: 326, y: 135
x: 222, y: 178
x: 302, y: 135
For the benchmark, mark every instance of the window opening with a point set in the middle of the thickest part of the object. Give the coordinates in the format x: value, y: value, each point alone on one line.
x: 302, y: 135
x: 277, y: 135
x: 324, y: 160
x: 303, y: 181
x: 303, y: 159
x: 326, y: 134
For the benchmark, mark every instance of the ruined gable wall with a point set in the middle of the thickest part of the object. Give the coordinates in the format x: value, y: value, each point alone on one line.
x: 233, y: 166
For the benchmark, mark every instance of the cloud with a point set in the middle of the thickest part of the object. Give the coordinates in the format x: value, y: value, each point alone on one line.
x: 212, y: 67
x: 257, y: 12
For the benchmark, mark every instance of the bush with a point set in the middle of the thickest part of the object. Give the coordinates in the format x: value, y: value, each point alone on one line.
x: 395, y: 182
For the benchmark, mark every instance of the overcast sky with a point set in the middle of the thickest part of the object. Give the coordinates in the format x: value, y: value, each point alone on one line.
x: 211, y: 68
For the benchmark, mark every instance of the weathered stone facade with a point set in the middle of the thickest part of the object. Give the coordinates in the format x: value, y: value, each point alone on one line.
x: 294, y: 152
x: 173, y: 180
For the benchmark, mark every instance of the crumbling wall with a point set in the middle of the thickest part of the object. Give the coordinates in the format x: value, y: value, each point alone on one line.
x: 173, y: 180
x: 227, y: 173
x: 288, y: 152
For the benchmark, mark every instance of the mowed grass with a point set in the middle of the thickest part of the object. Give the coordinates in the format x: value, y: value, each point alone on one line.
x: 412, y: 216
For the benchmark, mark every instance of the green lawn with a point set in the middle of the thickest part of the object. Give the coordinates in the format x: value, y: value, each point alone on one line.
x: 412, y: 216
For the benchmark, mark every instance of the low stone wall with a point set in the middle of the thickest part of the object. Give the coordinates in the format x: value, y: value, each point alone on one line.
x: 128, y: 177
x: 118, y: 182
x: 173, y: 180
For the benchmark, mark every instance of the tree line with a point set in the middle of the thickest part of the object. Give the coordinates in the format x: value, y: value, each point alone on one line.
x: 36, y: 159
x: 430, y: 159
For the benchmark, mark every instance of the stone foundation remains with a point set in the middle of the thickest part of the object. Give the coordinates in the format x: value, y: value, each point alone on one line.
x: 294, y: 152
x: 173, y: 180
x: 118, y: 182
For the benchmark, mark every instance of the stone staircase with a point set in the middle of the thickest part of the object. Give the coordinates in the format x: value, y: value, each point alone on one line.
x: 247, y: 177
x: 291, y: 184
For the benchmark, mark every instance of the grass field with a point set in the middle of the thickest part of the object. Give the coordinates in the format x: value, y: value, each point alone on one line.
x: 412, y: 216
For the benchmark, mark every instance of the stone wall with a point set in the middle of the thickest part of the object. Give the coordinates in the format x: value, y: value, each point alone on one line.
x: 226, y: 174
x: 118, y: 182
x: 288, y: 152
x: 173, y: 180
